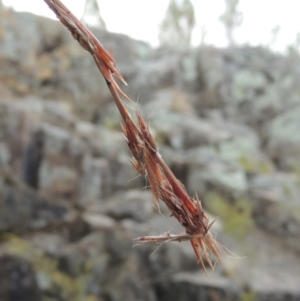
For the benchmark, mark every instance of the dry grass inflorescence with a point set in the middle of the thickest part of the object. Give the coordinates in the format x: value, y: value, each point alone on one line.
x: 146, y: 158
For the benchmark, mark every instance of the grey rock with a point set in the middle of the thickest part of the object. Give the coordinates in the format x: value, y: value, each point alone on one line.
x: 277, y: 206
x: 283, y: 141
x: 247, y: 83
x: 18, y: 280
x: 207, y: 170
x: 279, y: 187
x: 281, y: 222
x: 131, y: 280
x: 133, y: 204
x: 98, y: 221
x: 58, y: 179
x: 56, y: 139
x: 4, y: 155
x: 184, y: 132
x: 23, y: 210
x: 51, y: 244
x: 242, y: 146
x: 32, y: 158
x: 158, y: 71
x: 50, y: 60
x: 96, y: 181
x: 167, y: 100
x: 222, y: 126
x: 188, y: 286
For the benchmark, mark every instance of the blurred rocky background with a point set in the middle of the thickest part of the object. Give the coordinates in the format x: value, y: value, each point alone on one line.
x: 227, y: 122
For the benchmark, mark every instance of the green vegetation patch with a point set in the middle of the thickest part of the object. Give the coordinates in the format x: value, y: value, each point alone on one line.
x: 236, y: 217
x: 51, y: 280
x: 251, y: 166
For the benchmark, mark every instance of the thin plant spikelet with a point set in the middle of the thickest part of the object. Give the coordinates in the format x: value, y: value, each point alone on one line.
x: 146, y: 158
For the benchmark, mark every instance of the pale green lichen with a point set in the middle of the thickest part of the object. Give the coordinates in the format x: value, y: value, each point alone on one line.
x: 236, y: 217
x: 49, y: 277
x: 248, y: 296
x: 253, y: 166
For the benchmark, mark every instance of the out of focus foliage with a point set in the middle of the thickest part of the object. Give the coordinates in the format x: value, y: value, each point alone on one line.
x: 177, y: 26
x: 231, y: 18
x: 92, y: 14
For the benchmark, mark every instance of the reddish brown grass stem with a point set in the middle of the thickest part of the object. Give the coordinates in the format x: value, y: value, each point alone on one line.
x: 146, y: 158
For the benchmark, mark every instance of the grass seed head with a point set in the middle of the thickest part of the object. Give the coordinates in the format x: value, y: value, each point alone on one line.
x: 146, y: 158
